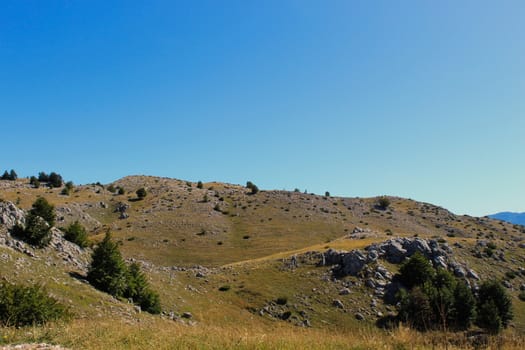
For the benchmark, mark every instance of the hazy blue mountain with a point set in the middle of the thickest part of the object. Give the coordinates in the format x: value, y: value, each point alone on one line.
x: 514, y: 218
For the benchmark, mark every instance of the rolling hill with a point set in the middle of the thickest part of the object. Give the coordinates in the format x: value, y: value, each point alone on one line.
x: 242, y: 270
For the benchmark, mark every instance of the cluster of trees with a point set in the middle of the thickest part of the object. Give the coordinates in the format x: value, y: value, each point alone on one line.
x: 109, y: 273
x: 254, y: 189
x: 12, y: 175
x: 435, y: 299
x: 53, y: 179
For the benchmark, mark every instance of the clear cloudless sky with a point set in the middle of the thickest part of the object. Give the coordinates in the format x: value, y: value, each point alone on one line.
x: 419, y: 99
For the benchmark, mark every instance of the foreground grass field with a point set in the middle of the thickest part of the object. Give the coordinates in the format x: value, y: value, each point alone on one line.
x: 159, y: 334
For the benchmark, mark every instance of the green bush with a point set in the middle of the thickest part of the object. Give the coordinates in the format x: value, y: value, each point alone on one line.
x: 77, y: 234
x: 121, y: 190
x: 199, y: 185
x: 28, y: 306
x: 39, y: 221
x: 281, y: 300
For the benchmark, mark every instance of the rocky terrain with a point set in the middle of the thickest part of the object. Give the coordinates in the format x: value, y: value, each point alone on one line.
x: 219, y: 255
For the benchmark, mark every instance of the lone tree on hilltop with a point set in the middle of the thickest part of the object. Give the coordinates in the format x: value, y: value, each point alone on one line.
x: 250, y: 185
x: 141, y: 193
x: 55, y: 180
x: 383, y: 202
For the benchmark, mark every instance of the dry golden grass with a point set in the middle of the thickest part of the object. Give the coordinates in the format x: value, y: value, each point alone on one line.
x: 163, y: 334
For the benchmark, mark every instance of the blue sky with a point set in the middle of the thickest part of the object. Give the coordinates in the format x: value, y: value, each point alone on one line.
x: 419, y: 99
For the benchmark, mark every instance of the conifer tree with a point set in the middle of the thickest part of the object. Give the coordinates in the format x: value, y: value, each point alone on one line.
x: 108, y: 271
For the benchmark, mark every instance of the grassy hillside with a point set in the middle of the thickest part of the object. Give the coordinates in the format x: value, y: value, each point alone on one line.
x: 223, y: 255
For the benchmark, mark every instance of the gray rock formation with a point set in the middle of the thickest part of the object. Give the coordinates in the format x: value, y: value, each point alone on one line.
x: 10, y: 215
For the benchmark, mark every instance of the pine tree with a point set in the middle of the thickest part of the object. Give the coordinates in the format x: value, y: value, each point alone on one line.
x: 108, y: 271
x: 13, y: 175
x: 5, y: 176
x: 139, y: 290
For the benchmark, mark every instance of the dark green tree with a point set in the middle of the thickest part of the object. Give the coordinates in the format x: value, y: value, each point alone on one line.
x: 43, y: 177
x: 327, y: 194
x: 415, y: 309
x: 440, y: 292
x: 416, y: 271
x: 108, y: 271
x: 5, y: 176
x: 383, y: 202
x: 140, y: 292
x: 33, y: 181
x: 37, y: 231
x: 77, y: 234
x: 13, y: 175
x: 464, y: 309
x: 494, y: 306
x: 141, y: 193
x: 200, y: 185
x: 55, y: 180
x: 121, y: 190
x: 41, y: 207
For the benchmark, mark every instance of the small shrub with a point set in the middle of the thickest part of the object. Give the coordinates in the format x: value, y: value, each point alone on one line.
x: 282, y: 300
x: 28, y: 306
x: 383, y: 202
x: 111, y: 188
x: 510, y: 275
x: 225, y: 288
x: 199, y: 185
x: 286, y: 315
x: 522, y: 296
x: 141, y: 193
x: 77, y: 234
x: 121, y: 190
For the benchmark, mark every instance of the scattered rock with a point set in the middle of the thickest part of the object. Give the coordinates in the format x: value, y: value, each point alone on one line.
x: 187, y: 315
x: 359, y: 316
x: 345, y: 291
x: 338, y: 303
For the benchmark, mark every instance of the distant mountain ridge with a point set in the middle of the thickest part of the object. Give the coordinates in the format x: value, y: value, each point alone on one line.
x: 513, y: 218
